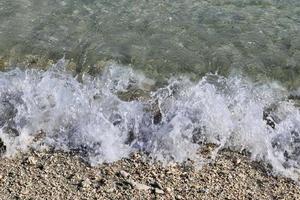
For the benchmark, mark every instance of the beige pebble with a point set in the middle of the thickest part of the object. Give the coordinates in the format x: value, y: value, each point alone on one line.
x: 158, y: 191
x: 124, y: 174
x: 32, y: 160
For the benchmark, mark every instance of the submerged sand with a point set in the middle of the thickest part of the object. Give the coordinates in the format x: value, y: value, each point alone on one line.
x: 58, y: 175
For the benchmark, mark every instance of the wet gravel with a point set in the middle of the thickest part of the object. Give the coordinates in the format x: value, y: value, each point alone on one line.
x: 58, y: 175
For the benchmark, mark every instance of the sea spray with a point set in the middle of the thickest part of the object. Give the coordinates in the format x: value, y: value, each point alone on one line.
x: 170, y: 123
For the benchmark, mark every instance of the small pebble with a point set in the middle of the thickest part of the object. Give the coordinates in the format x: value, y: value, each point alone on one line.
x: 158, y: 191
x: 31, y: 160
x: 124, y: 174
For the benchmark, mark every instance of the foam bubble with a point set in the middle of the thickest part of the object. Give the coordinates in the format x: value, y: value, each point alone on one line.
x: 171, y: 123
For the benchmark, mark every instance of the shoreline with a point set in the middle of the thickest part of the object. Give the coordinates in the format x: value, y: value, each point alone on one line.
x: 59, y: 175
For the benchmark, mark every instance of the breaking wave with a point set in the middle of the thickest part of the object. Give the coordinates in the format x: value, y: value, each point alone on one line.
x: 107, y: 117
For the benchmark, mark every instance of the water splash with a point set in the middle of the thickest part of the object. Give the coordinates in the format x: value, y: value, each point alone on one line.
x: 170, y: 123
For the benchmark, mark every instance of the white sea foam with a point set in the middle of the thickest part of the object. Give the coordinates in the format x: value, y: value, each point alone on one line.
x: 88, y: 116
